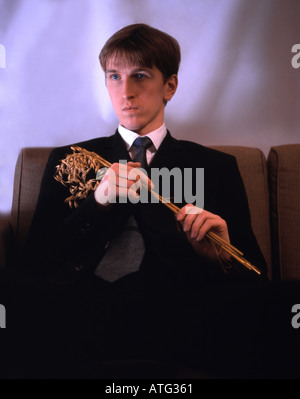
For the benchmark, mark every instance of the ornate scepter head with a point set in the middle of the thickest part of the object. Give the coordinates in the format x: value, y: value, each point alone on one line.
x: 81, y: 172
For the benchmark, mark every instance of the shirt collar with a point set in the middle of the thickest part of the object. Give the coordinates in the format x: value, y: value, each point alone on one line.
x: 156, y: 136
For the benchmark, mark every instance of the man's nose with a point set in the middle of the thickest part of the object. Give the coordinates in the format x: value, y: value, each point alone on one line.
x: 128, y: 89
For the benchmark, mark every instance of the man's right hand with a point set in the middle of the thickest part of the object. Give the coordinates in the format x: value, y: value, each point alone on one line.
x: 121, y: 181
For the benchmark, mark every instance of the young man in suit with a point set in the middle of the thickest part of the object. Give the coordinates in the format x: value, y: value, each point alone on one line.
x: 172, y: 269
x: 141, y: 65
x: 129, y: 278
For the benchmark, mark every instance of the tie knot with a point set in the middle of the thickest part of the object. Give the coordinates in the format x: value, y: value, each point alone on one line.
x: 144, y: 142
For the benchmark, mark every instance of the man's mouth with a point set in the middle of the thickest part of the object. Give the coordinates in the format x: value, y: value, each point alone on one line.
x: 130, y: 109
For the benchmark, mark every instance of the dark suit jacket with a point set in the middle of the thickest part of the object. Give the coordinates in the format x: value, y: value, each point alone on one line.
x: 67, y: 243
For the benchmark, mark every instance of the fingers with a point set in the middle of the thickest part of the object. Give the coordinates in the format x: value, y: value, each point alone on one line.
x: 122, y: 181
x: 135, y: 174
x: 197, y: 222
x: 187, y: 216
x: 129, y: 194
x: 127, y: 174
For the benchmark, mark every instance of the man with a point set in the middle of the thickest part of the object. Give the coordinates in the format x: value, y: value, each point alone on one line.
x: 164, y: 305
x: 141, y: 65
x: 71, y: 247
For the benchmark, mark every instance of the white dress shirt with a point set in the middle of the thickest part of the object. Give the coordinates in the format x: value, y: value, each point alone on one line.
x: 156, y: 136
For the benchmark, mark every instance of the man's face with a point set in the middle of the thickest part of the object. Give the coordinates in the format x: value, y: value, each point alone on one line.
x: 138, y: 95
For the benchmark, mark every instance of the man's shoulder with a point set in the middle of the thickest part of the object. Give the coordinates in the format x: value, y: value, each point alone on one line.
x: 204, y: 152
x: 90, y: 145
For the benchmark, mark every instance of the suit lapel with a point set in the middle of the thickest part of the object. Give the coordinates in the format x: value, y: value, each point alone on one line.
x: 113, y: 148
x: 168, y: 154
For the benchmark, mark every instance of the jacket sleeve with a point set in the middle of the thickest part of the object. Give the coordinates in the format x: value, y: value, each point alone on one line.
x: 65, y: 242
x: 233, y: 207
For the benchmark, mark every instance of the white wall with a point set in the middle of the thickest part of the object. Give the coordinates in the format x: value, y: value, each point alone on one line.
x: 237, y: 83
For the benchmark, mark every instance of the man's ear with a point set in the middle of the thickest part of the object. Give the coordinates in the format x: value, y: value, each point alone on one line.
x: 170, y: 87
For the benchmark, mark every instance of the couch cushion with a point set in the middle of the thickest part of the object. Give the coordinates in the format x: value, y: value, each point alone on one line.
x: 284, y: 176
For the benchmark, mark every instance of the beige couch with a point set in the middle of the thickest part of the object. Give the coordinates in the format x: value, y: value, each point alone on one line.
x: 272, y: 186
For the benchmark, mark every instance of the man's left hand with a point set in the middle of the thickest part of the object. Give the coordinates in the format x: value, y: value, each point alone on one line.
x: 196, y: 223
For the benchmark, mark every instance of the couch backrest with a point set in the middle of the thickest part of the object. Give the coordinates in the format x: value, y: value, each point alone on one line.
x: 251, y: 161
x: 29, y: 171
x: 284, y: 176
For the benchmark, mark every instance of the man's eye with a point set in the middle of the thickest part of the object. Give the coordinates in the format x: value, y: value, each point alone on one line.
x: 114, y: 77
x: 140, y: 76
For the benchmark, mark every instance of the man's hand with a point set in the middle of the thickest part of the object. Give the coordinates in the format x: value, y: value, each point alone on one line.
x: 121, y: 181
x: 196, y: 223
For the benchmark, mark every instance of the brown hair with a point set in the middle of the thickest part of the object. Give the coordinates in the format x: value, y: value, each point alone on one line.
x: 145, y: 46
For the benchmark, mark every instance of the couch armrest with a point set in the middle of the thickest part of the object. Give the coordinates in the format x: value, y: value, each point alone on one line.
x: 5, y: 231
x: 284, y: 176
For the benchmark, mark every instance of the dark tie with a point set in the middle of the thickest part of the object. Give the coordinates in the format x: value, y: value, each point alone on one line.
x: 126, y: 250
x: 142, y: 143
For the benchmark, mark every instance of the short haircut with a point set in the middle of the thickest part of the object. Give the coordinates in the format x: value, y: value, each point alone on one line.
x: 145, y: 46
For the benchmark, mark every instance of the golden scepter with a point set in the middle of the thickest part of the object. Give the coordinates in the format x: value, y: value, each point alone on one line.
x: 73, y: 172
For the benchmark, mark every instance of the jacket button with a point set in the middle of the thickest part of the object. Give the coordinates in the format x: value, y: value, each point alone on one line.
x: 86, y: 228
x: 79, y: 268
